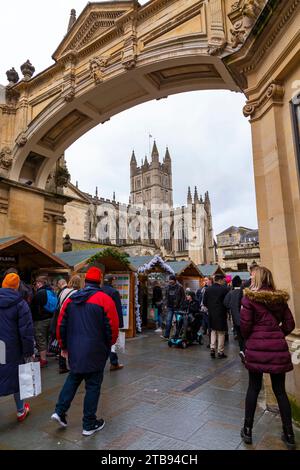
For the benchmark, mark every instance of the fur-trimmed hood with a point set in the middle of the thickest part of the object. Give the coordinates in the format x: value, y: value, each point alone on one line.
x: 268, y: 297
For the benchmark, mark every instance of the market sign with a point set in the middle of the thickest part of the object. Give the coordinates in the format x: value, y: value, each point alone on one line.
x: 8, y: 259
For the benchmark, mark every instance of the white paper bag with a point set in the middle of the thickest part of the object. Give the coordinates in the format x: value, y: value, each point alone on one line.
x: 30, y: 380
x: 120, y: 344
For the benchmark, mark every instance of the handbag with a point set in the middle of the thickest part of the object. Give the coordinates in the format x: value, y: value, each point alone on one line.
x: 54, y: 346
x: 30, y: 380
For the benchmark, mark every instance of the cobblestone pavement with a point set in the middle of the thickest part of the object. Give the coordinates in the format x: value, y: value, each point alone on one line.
x: 163, y: 399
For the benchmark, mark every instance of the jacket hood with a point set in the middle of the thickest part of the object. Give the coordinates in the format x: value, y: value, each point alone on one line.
x: 9, y: 297
x: 268, y: 297
x: 84, y: 294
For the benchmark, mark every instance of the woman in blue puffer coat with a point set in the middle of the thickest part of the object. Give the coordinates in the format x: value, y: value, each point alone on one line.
x: 16, y: 340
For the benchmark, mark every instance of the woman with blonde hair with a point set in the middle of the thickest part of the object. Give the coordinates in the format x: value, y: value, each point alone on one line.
x: 265, y: 322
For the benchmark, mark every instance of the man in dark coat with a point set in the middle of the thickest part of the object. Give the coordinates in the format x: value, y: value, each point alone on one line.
x: 213, y: 300
x: 232, y: 302
x: 87, y: 327
x: 114, y: 294
x: 42, y: 317
x: 175, y: 297
x: 16, y: 340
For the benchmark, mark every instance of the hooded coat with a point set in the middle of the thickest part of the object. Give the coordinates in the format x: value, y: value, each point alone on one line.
x: 265, y: 321
x: 87, y: 327
x: 16, y: 337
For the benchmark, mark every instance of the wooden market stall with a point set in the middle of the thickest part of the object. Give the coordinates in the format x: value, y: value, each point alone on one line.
x: 151, y: 270
x: 209, y: 270
x: 28, y: 257
x: 111, y: 261
x: 187, y: 273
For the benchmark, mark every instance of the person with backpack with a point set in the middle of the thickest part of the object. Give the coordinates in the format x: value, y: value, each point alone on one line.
x: 43, y: 307
x: 16, y: 340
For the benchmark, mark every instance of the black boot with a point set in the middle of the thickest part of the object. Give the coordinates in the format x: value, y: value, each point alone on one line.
x: 288, y: 437
x: 246, y: 434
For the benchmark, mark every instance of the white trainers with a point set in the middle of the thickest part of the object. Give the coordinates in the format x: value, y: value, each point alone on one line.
x: 98, y: 426
x: 61, y: 420
x: 158, y: 330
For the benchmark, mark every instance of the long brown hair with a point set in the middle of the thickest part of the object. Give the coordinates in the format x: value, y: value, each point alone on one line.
x: 262, y: 279
x: 75, y: 282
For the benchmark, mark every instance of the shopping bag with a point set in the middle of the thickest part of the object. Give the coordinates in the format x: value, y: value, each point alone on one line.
x: 152, y: 314
x: 120, y: 344
x: 30, y: 380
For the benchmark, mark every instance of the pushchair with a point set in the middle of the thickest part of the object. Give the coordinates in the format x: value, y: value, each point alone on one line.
x: 187, y: 330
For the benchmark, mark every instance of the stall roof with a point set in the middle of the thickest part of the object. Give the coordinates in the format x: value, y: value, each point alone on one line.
x: 244, y: 275
x: 78, y: 259
x: 138, y: 261
x: 35, y: 255
x: 187, y: 268
x: 210, y: 269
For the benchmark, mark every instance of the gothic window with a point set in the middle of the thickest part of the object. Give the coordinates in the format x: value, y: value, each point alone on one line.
x: 182, y: 236
x: 138, y: 184
x: 166, y: 236
x: 150, y: 228
x: 148, y: 180
x: 122, y: 235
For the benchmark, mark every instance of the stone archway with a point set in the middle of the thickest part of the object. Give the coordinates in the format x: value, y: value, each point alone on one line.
x: 119, y: 54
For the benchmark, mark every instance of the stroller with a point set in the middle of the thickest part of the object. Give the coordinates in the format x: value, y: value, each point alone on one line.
x: 187, y: 330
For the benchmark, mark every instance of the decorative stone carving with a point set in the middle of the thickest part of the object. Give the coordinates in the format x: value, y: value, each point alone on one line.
x: 62, y: 176
x: 12, y: 76
x: 59, y: 219
x: 6, y: 159
x: 27, y: 70
x: 97, y: 68
x: 129, y: 57
x: 67, y: 244
x: 217, y: 41
x: 274, y: 92
x: 243, y: 15
x: 21, y: 140
x: 69, y: 96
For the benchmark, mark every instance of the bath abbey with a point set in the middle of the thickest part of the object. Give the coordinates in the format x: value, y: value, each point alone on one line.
x: 149, y: 224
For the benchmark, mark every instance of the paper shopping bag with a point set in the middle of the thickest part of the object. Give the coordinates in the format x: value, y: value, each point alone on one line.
x: 30, y: 380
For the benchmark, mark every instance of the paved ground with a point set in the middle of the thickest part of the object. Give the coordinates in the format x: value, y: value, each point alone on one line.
x: 164, y: 399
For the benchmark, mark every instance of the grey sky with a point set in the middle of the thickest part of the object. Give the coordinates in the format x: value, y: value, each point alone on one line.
x: 208, y: 137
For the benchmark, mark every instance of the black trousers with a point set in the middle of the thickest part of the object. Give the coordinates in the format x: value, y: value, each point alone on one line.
x: 278, y: 386
x: 240, y: 338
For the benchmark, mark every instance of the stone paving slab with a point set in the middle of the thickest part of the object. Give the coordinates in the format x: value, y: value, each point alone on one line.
x: 163, y: 399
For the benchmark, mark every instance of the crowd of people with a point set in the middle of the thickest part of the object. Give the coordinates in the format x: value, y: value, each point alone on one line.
x: 261, y: 319
x: 85, y: 323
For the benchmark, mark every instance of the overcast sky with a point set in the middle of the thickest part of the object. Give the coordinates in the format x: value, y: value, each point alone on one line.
x: 208, y: 137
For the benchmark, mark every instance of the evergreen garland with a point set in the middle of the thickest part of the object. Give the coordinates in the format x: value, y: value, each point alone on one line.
x: 114, y: 253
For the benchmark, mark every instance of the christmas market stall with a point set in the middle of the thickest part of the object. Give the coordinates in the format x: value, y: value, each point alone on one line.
x: 151, y: 271
x: 28, y: 257
x: 187, y: 273
x: 210, y: 270
x: 110, y: 261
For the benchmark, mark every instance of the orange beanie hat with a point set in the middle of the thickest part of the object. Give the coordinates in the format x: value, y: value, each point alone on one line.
x: 11, y: 281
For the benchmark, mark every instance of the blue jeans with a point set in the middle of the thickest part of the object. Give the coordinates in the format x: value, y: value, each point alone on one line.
x: 93, y: 382
x: 19, y: 403
x: 170, y: 315
x: 159, y: 308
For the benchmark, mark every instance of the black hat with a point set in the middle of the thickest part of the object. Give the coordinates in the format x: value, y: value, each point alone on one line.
x: 109, y: 278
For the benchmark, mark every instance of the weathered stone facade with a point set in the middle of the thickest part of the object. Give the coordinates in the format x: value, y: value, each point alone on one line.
x: 238, y: 248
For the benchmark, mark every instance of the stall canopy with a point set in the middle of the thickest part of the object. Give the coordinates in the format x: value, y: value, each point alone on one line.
x: 210, y: 269
x: 77, y: 260
x: 244, y: 275
x: 185, y: 268
x: 25, y: 253
x: 147, y: 264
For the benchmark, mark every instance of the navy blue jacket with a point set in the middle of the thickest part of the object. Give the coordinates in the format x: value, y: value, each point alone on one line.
x: 16, y: 332
x: 114, y: 294
x: 87, y: 327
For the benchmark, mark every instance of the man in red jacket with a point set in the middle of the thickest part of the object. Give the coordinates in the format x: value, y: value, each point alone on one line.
x: 87, y: 327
